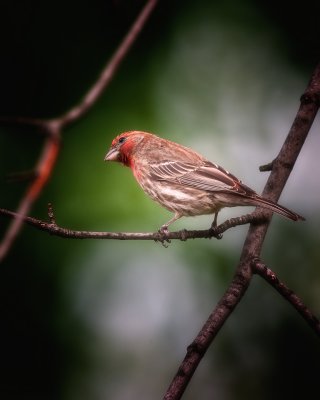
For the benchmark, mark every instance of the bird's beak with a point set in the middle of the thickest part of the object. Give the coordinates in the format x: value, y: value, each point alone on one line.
x: 112, y: 155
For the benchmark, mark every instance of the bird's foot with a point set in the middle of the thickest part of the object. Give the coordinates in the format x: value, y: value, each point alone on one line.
x: 213, y: 229
x: 163, y: 236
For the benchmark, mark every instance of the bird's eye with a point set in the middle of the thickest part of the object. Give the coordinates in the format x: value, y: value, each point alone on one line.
x: 121, y: 139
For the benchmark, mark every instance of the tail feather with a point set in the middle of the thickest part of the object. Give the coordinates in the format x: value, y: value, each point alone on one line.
x: 262, y: 202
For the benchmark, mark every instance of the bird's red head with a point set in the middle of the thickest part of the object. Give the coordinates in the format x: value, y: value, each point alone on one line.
x: 123, y: 147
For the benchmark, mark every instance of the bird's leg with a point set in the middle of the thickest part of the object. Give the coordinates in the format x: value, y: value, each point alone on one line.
x: 215, y: 224
x: 164, y: 227
x: 215, y: 221
x: 164, y: 232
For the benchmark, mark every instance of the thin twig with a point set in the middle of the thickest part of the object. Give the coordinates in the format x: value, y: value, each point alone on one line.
x: 111, y: 67
x: 42, y: 174
x: 266, y: 273
x: 266, y: 167
x: 53, y: 228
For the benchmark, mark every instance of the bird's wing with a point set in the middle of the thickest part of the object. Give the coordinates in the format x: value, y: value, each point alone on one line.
x: 208, y: 176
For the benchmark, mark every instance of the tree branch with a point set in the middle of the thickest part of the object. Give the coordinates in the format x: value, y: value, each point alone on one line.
x: 281, y: 169
x: 54, y: 229
x: 111, y: 67
x: 52, y: 128
x: 42, y: 174
x: 266, y: 273
x: 197, y: 349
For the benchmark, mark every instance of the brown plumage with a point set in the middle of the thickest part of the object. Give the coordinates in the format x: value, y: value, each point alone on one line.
x: 183, y: 181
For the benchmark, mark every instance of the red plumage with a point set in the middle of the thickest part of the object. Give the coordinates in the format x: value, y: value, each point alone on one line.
x: 183, y: 181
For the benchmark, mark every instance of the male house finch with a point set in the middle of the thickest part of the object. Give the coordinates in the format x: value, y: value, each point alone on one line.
x: 183, y: 181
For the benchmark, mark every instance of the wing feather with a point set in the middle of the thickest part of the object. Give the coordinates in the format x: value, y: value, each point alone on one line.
x: 207, y: 176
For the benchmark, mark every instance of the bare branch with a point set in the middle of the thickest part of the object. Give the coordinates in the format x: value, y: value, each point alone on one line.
x: 281, y: 169
x: 23, y: 121
x: 197, y: 349
x: 266, y: 273
x: 21, y: 176
x: 52, y: 228
x: 108, y: 72
x: 266, y: 168
x: 52, y: 128
x: 42, y: 173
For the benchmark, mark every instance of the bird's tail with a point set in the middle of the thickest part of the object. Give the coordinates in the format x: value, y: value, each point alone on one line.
x: 262, y: 202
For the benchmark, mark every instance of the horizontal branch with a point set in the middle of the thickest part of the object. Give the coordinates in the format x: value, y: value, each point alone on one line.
x: 53, y: 229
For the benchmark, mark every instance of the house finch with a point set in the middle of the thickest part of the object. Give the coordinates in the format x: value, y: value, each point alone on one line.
x: 183, y: 181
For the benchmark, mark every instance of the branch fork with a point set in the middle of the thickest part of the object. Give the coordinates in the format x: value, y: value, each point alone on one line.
x: 53, y: 128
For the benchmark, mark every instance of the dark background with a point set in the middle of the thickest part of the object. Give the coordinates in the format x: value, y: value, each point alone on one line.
x: 88, y: 320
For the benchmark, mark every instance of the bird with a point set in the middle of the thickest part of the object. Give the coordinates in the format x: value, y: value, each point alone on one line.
x: 182, y: 180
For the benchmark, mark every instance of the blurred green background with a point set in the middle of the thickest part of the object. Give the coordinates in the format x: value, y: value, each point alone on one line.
x: 112, y: 320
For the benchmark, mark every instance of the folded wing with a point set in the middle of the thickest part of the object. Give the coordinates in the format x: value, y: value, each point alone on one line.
x: 207, y: 176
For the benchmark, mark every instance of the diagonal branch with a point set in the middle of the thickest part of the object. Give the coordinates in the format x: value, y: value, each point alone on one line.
x: 53, y: 128
x: 111, y: 67
x: 281, y: 169
x: 41, y: 175
x: 197, y: 349
x: 266, y: 273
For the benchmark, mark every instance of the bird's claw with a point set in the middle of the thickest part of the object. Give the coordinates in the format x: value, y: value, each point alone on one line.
x: 163, y: 236
x: 213, y: 231
x: 213, y: 228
